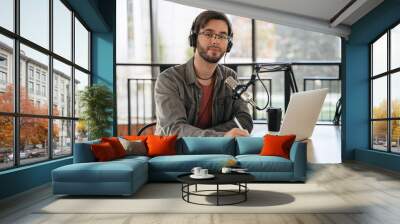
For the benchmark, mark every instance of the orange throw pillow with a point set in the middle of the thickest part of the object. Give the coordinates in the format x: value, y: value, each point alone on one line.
x: 275, y: 145
x: 161, y: 145
x: 116, y: 145
x: 103, y: 152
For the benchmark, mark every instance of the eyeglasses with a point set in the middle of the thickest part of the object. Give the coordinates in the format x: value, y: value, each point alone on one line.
x: 210, y: 35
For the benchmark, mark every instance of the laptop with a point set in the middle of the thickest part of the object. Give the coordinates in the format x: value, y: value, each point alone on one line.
x: 302, y: 113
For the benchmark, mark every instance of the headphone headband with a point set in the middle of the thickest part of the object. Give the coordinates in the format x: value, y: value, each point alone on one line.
x: 193, y: 35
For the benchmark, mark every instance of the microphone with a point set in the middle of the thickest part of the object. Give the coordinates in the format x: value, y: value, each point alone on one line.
x: 244, y: 95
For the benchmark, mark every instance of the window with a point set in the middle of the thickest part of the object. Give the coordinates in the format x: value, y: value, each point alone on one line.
x: 81, y: 45
x: 133, y: 32
x: 34, y: 21
x: 6, y: 74
x: 3, y: 78
x: 241, y: 52
x: 37, y: 74
x: 62, y: 29
x: 173, y: 25
x: 36, y: 117
x: 385, y: 97
x: 7, y: 14
x: 62, y: 137
x: 3, y: 73
x: 81, y: 81
x: 139, y: 89
x: 281, y: 43
x: 3, y: 61
x: 379, y: 56
x: 62, y: 73
x: 33, y: 147
x: 43, y: 90
x: 43, y: 78
x: 395, y: 47
x: 37, y: 89
x: 40, y: 62
x: 6, y: 142
x: 30, y: 72
x: 30, y: 87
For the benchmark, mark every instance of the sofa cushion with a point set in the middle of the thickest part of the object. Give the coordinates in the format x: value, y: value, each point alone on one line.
x: 257, y: 163
x: 185, y: 163
x: 206, y: 145
x: 248, y: 145
x: 111, y: 171
x: 133, y: 157
x: 83, y: 152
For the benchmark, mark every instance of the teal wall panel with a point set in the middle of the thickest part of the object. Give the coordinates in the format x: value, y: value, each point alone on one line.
x: 24, y: 178
x: 376, y: 158
x: 356, y: 92
x: 103, y: 61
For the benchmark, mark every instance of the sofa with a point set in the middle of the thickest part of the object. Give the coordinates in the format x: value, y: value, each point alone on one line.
x: 126, y: 175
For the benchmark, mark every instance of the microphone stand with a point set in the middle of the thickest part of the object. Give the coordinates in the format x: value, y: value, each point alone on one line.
x: 263, y: 68
x: 274, y: 114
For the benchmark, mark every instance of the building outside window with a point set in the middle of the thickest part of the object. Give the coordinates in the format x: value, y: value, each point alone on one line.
x: 3, y: 72
x: 37, y: 75
x: 38, y: 89
x: 30, y: 87
x: 43, y: 78
x: 3, y: 79
x: 43, y: 90
x: 30, y: 72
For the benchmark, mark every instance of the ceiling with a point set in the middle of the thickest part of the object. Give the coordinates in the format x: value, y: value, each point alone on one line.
x: 333, y: 17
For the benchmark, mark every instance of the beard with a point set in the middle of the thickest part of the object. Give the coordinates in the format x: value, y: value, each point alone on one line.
x: 212, y: 57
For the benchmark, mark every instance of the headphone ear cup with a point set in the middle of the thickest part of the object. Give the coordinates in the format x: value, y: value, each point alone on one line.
x: 229, y: 47
x: 192, y: 40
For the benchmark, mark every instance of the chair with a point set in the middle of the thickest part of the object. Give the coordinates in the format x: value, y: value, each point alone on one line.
x: 147, y: 128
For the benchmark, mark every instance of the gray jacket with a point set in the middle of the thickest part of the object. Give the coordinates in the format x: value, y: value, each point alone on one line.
x: 177, y: 97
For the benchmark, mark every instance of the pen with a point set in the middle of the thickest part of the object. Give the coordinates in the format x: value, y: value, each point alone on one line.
x: 237, y: 123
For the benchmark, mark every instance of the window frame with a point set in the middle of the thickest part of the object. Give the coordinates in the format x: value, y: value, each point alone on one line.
x: 388, y: 74
x: 16, y: 114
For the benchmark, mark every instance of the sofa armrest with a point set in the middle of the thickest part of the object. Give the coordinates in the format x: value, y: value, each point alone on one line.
x: 83, y: 152
x: 298, y: 155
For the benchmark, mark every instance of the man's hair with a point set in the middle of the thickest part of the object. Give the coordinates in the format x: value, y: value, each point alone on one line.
x: 203, y: 18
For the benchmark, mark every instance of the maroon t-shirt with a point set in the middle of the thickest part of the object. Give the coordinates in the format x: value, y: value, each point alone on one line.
x: 205, y: 111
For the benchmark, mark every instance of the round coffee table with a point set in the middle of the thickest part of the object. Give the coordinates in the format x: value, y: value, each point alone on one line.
x: 238, y: 179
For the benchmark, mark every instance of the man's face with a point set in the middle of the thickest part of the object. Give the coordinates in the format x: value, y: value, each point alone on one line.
x: 210, y: 47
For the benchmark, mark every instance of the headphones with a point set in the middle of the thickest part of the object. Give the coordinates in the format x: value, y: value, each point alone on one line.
x: 193, y: 36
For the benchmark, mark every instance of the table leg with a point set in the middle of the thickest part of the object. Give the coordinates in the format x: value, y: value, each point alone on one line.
x: 182, y: 190
x: 217, y: 194
x: 245, y: 191
x: 188, y: 189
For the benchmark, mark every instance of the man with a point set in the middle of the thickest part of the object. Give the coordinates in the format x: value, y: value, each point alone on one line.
x: 192, y: 99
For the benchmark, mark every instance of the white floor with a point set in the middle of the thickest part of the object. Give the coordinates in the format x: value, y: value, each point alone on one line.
x: 324, y: 146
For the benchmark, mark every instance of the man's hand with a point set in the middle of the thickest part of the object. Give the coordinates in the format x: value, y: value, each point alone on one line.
x: 234, y: 132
